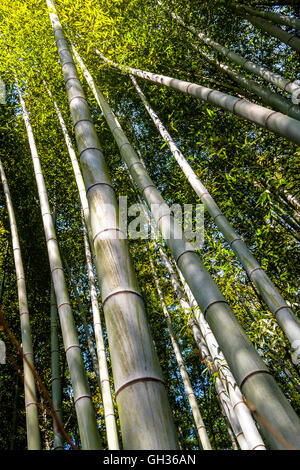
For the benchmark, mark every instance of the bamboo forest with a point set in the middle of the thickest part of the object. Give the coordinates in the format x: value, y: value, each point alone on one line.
x: 149, y: 225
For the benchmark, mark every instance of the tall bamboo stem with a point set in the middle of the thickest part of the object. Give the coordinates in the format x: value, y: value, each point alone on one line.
x: 188, y: 309
x: 248, y: 426
x: 109, y: 413
x: 145, y: 417
x: 58, y: 443
x: 185, y: 377
x: 31, y: 403
x: 290, y: 40
x: 272, y: 16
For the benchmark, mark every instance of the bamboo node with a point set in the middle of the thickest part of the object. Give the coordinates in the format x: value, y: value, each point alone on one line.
x: 120, y: 291
x: 141, y: 379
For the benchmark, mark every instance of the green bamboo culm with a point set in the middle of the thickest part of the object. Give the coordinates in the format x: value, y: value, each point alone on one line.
x: 231, y: 402
x: 189, y: 308
x: 31, y: 403
x: 58, y: 441
x: 145, y: 417
x: 252, y: 67
x: 88, y: 431
x: 201, y: 429
x: 249, y: 370
x: 109, y: 412
x: 274, y: 121
x: 277, y: 305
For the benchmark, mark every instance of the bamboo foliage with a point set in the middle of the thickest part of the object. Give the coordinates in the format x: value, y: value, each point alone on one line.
x: 82, y: 399
x: 144, y: 412
x: 185, y: 377
x: 283, y: 314
x: 31, y: 403
x: 249, y: 370
x: 274, y: 121
x: 252, y: 67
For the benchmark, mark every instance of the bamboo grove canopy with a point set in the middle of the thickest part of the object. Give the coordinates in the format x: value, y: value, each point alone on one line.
x: 114, y: 341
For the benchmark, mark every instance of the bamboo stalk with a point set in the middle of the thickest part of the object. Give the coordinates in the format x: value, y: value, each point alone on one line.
x: 225, y: 403
x: 31, y: 403
x: 145, y: 417
x: 270, y: 98
x: 247, y: 424
x: 274, y: 121
x: 252, y: 67
x: 109, y: 413
x: 272, y: 16
x: 277, y: 305
x: 201, y: 429
x: 58, y: 443
x: 103, y: 379
x: 75, y: 165
x: 249, y: 370
x: 89, y: 435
